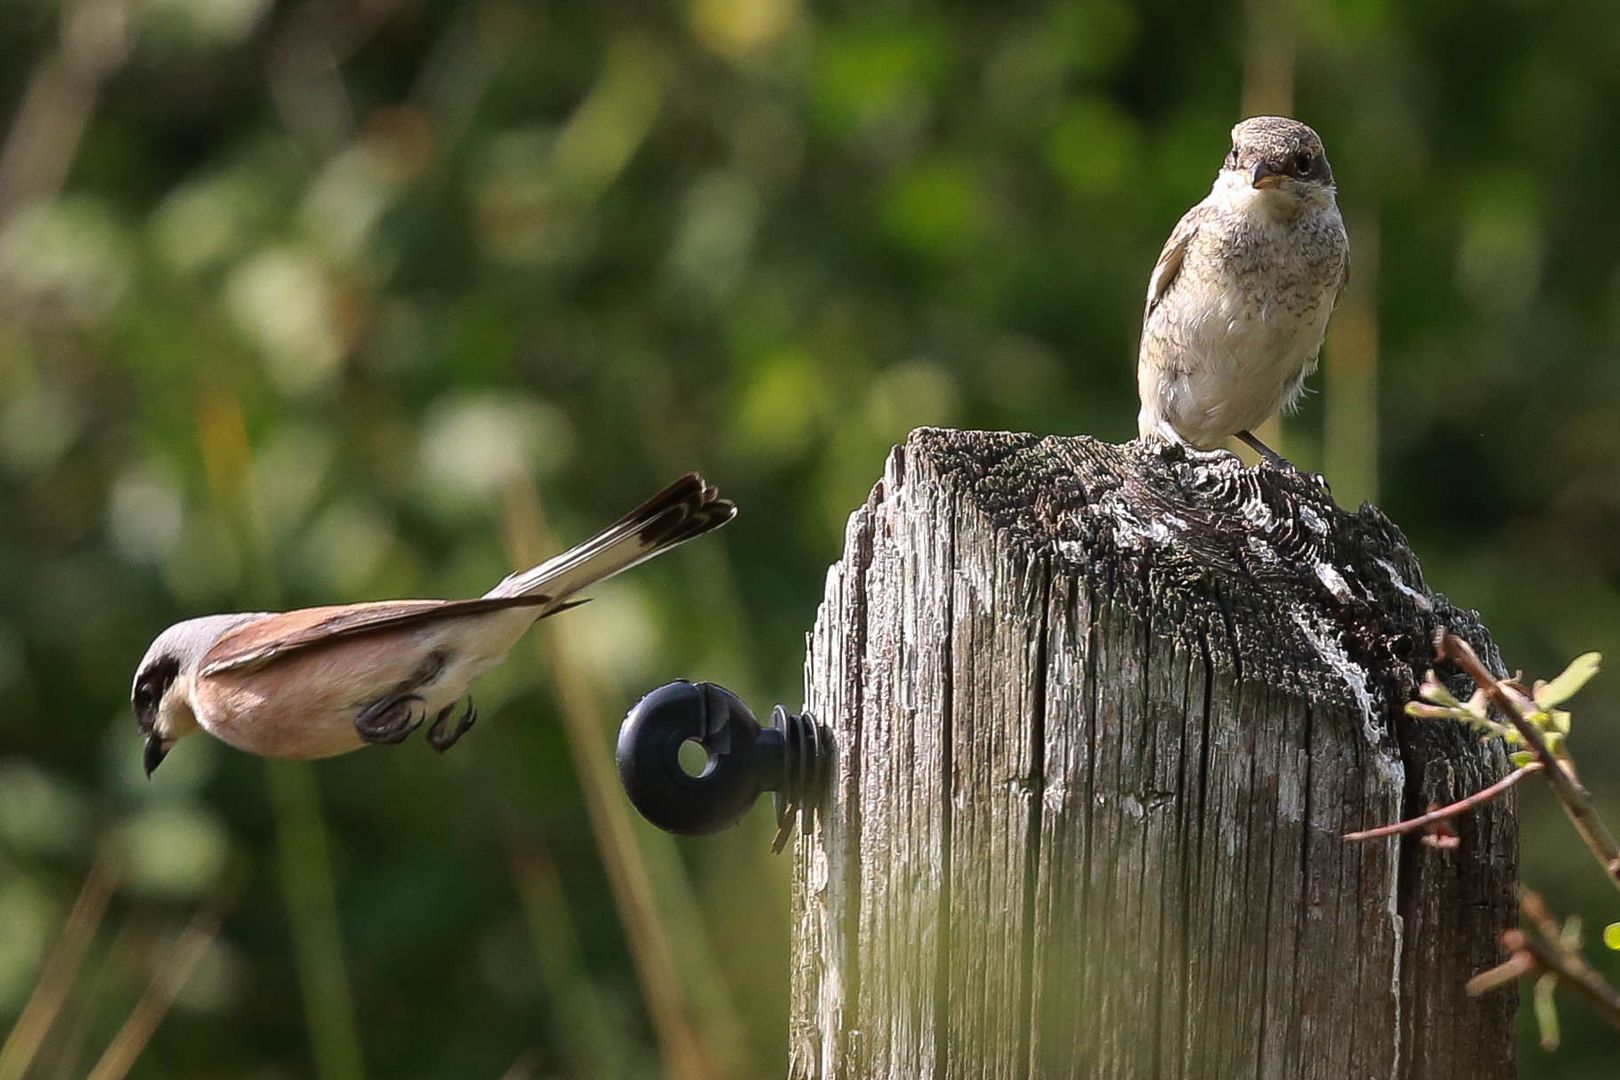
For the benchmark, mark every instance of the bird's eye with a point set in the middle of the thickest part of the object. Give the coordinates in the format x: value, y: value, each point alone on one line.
x: 1231, y: 158
x: 1304, y: 162
x: 152, y: 683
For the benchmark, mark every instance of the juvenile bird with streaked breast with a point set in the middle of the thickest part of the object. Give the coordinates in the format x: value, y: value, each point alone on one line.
x: 1239, y: 301
x: 323, y: 681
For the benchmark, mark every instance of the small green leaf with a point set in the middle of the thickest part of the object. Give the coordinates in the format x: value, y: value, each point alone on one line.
x: 1547, y: 1011
x: 1560, y: 721
x: 1435, y: 691
x: 1554, y: 741
x: 1424, y: 711
x: 1568, y: 684
x: 1521, y: 758
x: 1611, y: 936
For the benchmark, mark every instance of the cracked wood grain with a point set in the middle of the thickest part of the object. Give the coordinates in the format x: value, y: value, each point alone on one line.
x: 1101, y: 714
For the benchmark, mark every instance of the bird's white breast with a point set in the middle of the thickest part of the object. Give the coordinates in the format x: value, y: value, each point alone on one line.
x: 1234, y: 338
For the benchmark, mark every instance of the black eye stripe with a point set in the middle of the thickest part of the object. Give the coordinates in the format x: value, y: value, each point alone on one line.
x: 150, y: 686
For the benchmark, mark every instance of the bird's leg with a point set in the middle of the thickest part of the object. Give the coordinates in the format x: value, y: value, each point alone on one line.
x: 1265, y: 451
x: 440, y: 737
x: 390, y: 718
x: 1281, y: 462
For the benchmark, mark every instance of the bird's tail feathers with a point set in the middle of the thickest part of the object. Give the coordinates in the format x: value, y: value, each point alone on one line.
x: 688, y: 508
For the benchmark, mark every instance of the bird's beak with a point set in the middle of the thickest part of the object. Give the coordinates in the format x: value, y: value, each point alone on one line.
x: 155, y: 753
x: 1262, y: 177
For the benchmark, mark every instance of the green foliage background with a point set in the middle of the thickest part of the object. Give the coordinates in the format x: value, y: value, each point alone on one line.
x: 294, y: 297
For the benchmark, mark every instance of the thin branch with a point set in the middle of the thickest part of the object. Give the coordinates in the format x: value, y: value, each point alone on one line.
x: 59, y: 101
x: 1577, y: 801
x: 166, y: 984
x: 61, y: 967
x: 591, y: 1044
x: 1518, y: 965
x: 1461, y: 806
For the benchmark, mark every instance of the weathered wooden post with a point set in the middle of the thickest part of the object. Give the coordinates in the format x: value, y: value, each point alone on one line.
x: 1100, y: 715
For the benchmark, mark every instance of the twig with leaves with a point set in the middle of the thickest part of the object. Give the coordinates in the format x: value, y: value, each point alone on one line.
x: 1536, y: 731
x: 1552, y: 953
x: 1539, y: 732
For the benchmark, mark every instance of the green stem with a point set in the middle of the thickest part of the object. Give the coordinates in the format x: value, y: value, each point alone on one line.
x: 306, y: 871
x: 306, y: 881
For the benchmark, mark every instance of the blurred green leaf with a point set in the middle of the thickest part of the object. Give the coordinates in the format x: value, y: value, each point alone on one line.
x: 1433, y: 690
x: 68, y: 258
x: 1569, y: 682
x: 1094, y: 146
x: 39, y: 811
x: 741, y: 29
x: 1098, y: 35
x: 30, y: 920
x: 936, y: 207
x: 173, y: 852
x: 1547, y: 1010
x: 880, y: 76
x: 199, y: 23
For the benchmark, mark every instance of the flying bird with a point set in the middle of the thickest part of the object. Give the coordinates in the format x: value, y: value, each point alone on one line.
x: 323, y: 681
x: 1240, y: 298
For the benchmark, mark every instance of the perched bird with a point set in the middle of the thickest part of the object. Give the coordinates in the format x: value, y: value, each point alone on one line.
x: 1240, y: 298
x: 327, y: 680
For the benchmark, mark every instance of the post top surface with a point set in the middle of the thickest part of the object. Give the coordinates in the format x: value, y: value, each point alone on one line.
x: 1256, y: 562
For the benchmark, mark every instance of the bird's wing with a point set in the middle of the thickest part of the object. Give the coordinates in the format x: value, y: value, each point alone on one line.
x: 1175, y: 251
x: 266, y: 640
x: 687, y: 508
x: 1344, y: 275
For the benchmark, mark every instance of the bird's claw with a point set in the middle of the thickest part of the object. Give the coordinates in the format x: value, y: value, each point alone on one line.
x: 1282, y: 464
x: 390, y: 719
x: 440, y: 737
x: 1175, y: 450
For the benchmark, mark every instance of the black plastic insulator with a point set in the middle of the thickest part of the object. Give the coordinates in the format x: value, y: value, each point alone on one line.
x: 745, y: 760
